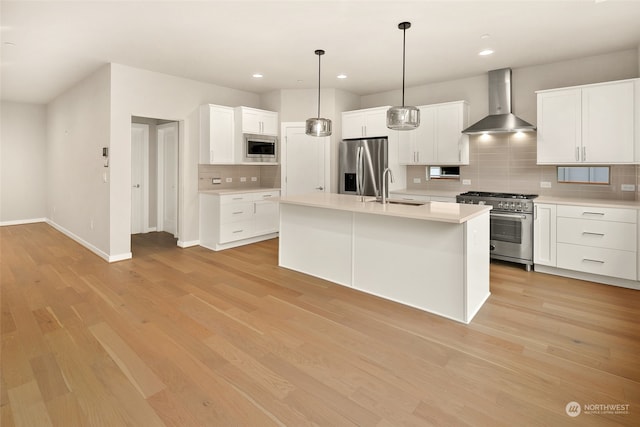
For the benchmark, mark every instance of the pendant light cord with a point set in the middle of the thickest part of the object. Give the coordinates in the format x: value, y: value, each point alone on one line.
x: 319, y: 55
x: 404, y: 39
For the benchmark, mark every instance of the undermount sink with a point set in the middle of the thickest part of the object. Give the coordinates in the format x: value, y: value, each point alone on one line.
x: 400, y: 202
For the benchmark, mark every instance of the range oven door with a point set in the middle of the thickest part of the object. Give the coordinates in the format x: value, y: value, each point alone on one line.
x: 511, y: 236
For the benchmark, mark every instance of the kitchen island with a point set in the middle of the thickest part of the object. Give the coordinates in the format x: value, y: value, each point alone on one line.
x: 434, y: 256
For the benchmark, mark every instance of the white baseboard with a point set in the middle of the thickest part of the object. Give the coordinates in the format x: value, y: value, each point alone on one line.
x: 188, y: 244
x: 22, y: 221
x: 92, y: 248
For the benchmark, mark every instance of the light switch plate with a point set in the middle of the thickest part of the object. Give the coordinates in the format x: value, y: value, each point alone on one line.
x: 243, y: 179
x: 216, y: 181
x: 254, y: 179
x: 228, y: 180
x: 466, y: 182
x: 417, y: 180
x: 545, y: 184
x: 627, y: 187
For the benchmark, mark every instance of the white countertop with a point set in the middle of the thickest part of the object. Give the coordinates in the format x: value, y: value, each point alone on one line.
x: 430, y: 211
x: 438, y: 193
x: 238, y: 190
x: 603, y: 203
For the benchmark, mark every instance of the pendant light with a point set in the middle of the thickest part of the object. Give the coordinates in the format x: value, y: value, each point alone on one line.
x: 404, y: 117
x: 318, y: 126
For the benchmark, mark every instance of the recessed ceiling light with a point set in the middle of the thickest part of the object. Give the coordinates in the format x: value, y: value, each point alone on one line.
x: 8, y: 43
x: 485, y: 36
x: 258, y: 76
x: 341, y: 76
x: 485, y: 52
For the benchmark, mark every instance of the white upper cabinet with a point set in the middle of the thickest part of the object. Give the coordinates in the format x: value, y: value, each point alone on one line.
x: 253, y: 120
x: 591, y: 124
x: 439, y: 139
x: 216, y: 134
x: 367, y: 123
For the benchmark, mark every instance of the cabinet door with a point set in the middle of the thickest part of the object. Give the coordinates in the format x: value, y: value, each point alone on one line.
x: 251, y: 120
x: 449, y: 119
x: 406, y: 145
x: 426, y: 137
x: 269, y: 123
x: 266, y: 218
x: 559, y: 127
x: 352, y: 125
x: 608, y: 123
x: 376, y: 123
x: 544, y: 234
x: 216, y: 134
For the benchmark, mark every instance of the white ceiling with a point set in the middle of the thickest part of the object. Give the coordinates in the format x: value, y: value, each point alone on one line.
x: 47, y: 46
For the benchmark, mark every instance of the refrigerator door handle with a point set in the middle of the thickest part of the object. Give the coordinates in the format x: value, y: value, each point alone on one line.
x: 359, y: 172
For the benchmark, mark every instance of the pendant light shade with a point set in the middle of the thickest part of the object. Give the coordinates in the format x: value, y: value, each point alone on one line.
x: 318, y: 126
x: 403, y: 117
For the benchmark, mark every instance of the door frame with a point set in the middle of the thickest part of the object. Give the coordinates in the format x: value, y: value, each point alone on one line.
x: 283, y: 157
x: 145, y: 176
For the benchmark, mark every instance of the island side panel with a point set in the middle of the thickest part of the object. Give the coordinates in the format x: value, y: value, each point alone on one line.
x: 316, y: 241
x: 477, y: 264
x: 414, y: 262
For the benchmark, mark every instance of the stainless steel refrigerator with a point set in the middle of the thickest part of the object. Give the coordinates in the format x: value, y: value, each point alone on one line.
x: 361, y: 164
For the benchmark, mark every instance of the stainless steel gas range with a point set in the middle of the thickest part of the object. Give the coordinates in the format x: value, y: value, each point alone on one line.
x: 511, y: 224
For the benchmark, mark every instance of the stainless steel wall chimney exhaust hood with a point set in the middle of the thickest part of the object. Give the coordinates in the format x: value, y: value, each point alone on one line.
x: 500, y: 118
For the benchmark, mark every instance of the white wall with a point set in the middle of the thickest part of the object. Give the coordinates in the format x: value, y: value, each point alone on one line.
x: 23, y: 174
x: 77, y: 129
x: 525, y: 81
x: 143, y: 93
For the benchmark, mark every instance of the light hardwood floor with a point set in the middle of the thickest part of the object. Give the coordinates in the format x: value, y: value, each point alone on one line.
x: 191, y: 337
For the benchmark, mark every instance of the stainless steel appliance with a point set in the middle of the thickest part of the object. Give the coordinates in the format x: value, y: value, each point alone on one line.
x: 260, y: 148
x: 361, y: 164
x: 511, y: 229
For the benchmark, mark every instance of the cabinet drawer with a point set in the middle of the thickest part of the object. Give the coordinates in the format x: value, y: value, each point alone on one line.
x: 598, y: 214
x: 235, y: 231
x: 601, y: 234
x: 235, y: 198
x: 233, y: 212
x: 265, y: 195
x: 606, y: 262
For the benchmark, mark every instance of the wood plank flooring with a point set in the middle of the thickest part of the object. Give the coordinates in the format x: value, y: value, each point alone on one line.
x: 191, y: 337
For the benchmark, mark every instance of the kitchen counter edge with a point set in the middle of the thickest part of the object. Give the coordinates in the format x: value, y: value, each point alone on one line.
x: 237, y: 190
x: 431, y: 211
x: 603, y: 203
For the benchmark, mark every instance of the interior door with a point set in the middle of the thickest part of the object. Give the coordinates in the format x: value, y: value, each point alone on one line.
x: 168, y: 178
x: 139, y: 177
x: 305, y: 160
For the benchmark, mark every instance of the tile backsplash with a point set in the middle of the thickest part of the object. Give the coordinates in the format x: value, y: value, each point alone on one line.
x: 507, y: 163
x: 238, y: 176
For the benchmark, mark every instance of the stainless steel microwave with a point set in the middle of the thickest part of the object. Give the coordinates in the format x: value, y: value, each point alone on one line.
x: 260, y: 148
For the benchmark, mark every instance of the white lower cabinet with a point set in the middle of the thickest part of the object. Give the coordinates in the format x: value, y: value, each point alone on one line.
x: 590, y: 240
x: 234, y: 219
x: 544, y: 234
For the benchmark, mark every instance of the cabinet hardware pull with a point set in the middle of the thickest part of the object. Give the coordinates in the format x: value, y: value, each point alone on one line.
x: 593, y: 234
x: 238, y: 213
x: 237, y: 231
x: 593, y: 260
x: 535, y: 212
x: 577, y: 154
x: 584, y: 154
x: 593, y: 213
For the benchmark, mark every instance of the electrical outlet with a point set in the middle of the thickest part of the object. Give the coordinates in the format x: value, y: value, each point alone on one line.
x: 216, y: 180
x: 628, y: 187
x: 466, y: 182
x: 91, y: 223
x: 228, y: 180
x: 417, y: 180
x: 243, y: 179
x: 545, y: 184
x: 254, y: 178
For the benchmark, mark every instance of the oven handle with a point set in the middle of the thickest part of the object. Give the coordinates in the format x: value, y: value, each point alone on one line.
x: 511, y: 216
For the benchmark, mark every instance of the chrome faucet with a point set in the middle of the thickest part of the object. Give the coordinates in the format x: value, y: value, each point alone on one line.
x: 385, y: 190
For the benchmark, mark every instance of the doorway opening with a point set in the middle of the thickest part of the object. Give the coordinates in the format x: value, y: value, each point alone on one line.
x: 154, y: 178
